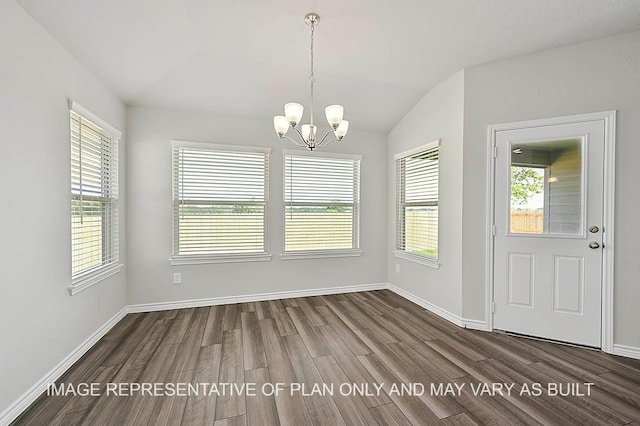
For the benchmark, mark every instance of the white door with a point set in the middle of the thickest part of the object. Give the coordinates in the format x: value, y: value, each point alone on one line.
x: 548, y: 231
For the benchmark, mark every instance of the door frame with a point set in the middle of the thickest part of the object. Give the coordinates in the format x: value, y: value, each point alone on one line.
x: 609, y: 118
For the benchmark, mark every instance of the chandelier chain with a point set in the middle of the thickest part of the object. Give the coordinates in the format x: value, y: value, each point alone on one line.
x: 311, y: 76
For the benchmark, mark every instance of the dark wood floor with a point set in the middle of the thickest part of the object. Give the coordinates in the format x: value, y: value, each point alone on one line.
x: 372, y: 337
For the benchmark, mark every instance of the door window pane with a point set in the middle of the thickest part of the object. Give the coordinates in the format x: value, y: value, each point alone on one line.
x: 546, y: 188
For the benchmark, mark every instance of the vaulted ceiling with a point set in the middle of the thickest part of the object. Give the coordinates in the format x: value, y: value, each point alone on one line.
x: 248, y: 57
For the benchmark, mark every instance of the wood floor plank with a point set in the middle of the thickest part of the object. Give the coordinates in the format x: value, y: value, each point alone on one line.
x: 589, y: 404
x: 124, y: 327
x: 419, y: 324
x: 283, y: 322
x: 352, y: 368
x: 340, y: 309
x: 261, y: 408
x: 409, y: 372
x: 314, y: 341
x: 169, y: 410
x: 350, y: 339
x: 83, y: 371
x: 411, y: 406
x: 376, y: 338
x: 231, y: 403
x: 131, y: 342
x: 373, y: 307
x: 322, y: 409
x: 179, y: 326
x: 77, y: 409
x: 232, y: 421
x: 140, y: 408
x: 300, y: 321
x: 502, y: 411
x: 444, y: 364
x: 547, y: 351
x: 111, y: 408
x: 252, y: 345
x: 248, y: 307
x: 189, y: 349
x: 534, y: 407
x: 459, y: 420
x: 214, y: 330
x: 280, y: 368
x: 232, y: 319
x: 464, y: 402
x: 389, y: 415
x: 292, y: 410
x: 559, y: 406
x: 308, y: 311
x: 352, y: 409
x: 599, y: 395
x: 380, y: 296
x: 263, y: 310
x: 201, y: 409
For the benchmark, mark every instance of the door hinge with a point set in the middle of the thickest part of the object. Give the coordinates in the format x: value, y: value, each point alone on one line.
x: 493, y: 307
x: 493, y: 230
x: 495, y: 151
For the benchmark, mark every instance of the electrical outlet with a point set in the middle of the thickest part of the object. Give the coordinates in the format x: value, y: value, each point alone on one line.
x: 397, y: 268
x: 177, y: 278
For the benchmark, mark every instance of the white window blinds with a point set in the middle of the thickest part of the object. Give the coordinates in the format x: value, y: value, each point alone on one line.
x: 322, y: 202
x: 220, y: 200
x: 417, y: 202
x: 94, y: 197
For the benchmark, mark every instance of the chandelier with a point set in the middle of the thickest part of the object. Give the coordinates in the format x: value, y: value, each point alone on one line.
x: 293, y: 113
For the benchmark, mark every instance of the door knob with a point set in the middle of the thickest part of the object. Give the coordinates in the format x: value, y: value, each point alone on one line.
x: 594, y: 229
x: 594, y: 245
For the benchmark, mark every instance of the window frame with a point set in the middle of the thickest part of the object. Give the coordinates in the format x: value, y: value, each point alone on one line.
x: 94, y: 275
x: 315, y: 253
x: 197, y: 259
x: 400, y: 251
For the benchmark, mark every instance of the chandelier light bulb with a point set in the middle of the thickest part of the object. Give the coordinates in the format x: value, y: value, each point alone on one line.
x: 293, y: 111
x: 342, y: 129
x: 281, y: 124
x: 309, y: 132
x: 334, y: 115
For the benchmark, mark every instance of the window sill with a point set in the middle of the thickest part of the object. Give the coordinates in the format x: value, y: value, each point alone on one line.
x: 416, y: 258
x: 94, y: 277
x: 202, y: 260
x: 320, y: 254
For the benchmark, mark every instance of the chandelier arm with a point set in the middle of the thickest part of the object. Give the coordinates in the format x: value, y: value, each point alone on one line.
x: 301, y: 137
x: 323, y: 138
x: 325, y: 143
x: 302, y: 144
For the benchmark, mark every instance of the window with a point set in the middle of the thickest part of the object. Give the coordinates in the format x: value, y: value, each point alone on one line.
x: 322, y: 204
x: 94, y: 199
x: 220, y: 197
x: 417, y: 204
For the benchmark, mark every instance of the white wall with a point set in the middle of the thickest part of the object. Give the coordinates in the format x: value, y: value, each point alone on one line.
x: 588, y: 77
x: 150, y: 212
x: 438, y: 115
x: 40, y: 323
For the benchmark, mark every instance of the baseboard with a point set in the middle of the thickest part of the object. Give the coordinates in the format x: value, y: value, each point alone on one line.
x: 472, y: 324
x: 194, y: 303
x: 24, y: 401
x: 455, y: 319
x: 626, y: 351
